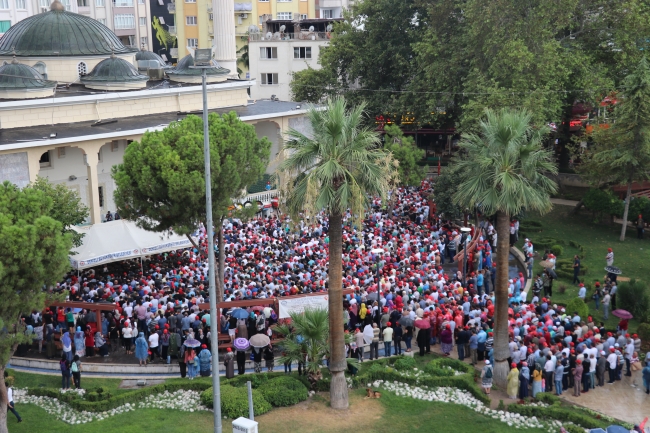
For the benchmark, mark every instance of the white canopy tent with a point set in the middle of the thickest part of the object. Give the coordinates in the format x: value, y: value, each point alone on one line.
x: 121, y: 240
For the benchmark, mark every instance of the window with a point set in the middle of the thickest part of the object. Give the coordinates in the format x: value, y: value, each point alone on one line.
x: 44, y: 3
x: 80, y: 3
x: 41, y: 68
x: 143, y: 21
x: 268, y: 53
x: 327, y: 13
x: 190, y: 1
x: 269, y: 79
x: 99, y: 3
x: 4, y: 26
x: 124, y: 21
x: 161, y: 20
x: 115, y: 146
x: 261, y: 19
x: 192, y: 42
x: 303, y: 16
x: 284, y: 1
x: 123, y: 3
x: 82, y: 68
x: 21, y: 4
x: 302, y: 52
x: 102, y: 20
x: 284, y: 15
x: 67, y: 4
x: 61, y: 151
x: 143, y: 41
x: 263, y: 1
x: 45, y: 160
x: 190, y: 21
x: 140, y: 2
x: 4, y: 4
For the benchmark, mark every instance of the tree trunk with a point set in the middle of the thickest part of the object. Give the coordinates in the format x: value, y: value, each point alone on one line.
x: 577, y: 208
x: 338, y: 364
x: 221, y: 265
x: 501, y: 350
x: 391, y: 204
x: 194, y: 243
x: 3, y: 402
x: 628, y: 196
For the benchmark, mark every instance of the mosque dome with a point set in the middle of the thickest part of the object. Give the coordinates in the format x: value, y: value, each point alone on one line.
x: 184, y: 73
x: 60, y: 33
x: 114, y: 73
x: 19, y: 81
x: 150, y: 60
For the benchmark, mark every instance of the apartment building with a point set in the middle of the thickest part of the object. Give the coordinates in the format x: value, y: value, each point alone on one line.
x: 129, y: 19
x: 329, y: 9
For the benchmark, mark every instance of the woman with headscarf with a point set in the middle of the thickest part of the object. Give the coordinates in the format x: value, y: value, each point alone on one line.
x: 79, y: 342
x: 524, y: 379
x: 486, y: 377
x: 190, y: 362
x: 127, y: 337
x: 257, y: 359
x: 363, y: 311
x: 141, y: 348
x: 100, y: 344
x: 513, y: 381
x: 205, y: 358
x: 66, y: 341
x: 229, y: 363
x: 90, y: 342
x: 447, y: 340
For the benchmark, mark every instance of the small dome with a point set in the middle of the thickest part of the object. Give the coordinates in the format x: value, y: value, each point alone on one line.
x: 113, y: 70
x: 15, y: 75
x: 183, y: 69
x: 147, y: 57
x: 60, y: 33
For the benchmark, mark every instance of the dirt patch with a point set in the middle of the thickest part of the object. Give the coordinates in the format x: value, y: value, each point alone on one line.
x: 315, y: 415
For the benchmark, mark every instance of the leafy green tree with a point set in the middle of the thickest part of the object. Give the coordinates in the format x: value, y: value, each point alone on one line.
x: 336, y: 169
x: 407, y: 154
x: 622, y: 152
x: 67, y: 207
x: 444, y: 190
x: 34, y: 255
x: 602, y: 202
x: 505, y: 172
x: 313, y: 85
x: 161, y: 186
x: 306, y: 340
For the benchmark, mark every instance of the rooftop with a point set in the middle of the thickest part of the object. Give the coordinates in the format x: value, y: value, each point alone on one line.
x: 66, y: 133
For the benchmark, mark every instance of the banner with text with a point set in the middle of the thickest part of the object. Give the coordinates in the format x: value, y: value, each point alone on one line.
x: 299, y: 305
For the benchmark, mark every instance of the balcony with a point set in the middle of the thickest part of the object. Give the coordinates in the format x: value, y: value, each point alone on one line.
x: 171, y: 8
x: 172, y: 30
x: 305, y: 36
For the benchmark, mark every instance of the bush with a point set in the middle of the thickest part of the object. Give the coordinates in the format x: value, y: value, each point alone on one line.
x: 438, y: 372
x: 577, y: 304
x: 556, y: 412
x: 284, y: 391
x: 644, y: 333
x: 404, y: 363
x: 544, y: 242
x: 633, y: 297
x: 579, y: 247
x: 234, y: 401
x: 557, y: 250
x: 529, y: 226
x: 602, y: 203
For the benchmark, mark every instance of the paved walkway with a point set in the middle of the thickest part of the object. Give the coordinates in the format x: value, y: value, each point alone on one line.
x: 563, y: 202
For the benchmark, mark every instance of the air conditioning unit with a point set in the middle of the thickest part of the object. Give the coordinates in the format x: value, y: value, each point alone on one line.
x: 243, y: 15
x: 156, y: 74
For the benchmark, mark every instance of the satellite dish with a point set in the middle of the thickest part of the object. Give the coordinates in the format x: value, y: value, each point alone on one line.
x: 311, y: 28
x: 269, y: 35
x: 329, y: 27
x: 253, y: 29
x: 282, y: 28
x: 277, y: 36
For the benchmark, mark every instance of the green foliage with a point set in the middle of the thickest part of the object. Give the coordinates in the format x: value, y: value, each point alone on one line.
x: 602, y: 203
x: 633, y: 297
x: 557, y: 412
x: 160, y: 184
x: 407, y: 154
x: 530, y: 226
x: 644, y: 332
x: 66, y: 207
x: 578, y: 246
x: 544, y: 242
x: 501, y: 406
x: 639, y: 206
x: 557, y: 250
x: 404, y: 363
x: 444, y: 190
x: 284, y: 391
x: 34, y: 255
x: 577, y: 304
x: 312, y: 85
x: 234, y: 401
x: 564, y: 268
x: 444, y: 367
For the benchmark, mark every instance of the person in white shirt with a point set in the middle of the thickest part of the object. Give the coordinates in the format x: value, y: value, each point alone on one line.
x: 153, y: 345
x: 629, y: 353
x: 10, y: 401
x: 612, y: 362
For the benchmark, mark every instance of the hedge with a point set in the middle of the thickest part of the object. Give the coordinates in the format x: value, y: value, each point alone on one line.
x: 404, y: 363
x: 531, y: 226
x: 234, y: 401
x: 579, y: 247
x: 555, y: 412
x: 557, y: 250
x: 545, y: 242
x: 578, y: 305
x: 284, y: 391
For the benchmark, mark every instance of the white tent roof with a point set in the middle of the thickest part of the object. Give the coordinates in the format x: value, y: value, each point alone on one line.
x: 121, y: 240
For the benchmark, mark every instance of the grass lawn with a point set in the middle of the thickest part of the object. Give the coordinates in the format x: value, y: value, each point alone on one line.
x: 386, y: 415
x: 29, y: 380
x: 630, y: 255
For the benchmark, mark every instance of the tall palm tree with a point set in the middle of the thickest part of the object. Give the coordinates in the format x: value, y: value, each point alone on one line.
x: 335, y: 169
x: 504, y: 172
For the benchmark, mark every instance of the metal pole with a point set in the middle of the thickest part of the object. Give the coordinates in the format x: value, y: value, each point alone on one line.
x: 214, y: 331
x: 464, y: 259
x: 251, y: 412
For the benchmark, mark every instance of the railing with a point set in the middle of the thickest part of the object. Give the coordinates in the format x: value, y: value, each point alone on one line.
x: 264, y: 196
x: 305, y: 36
x: 172, y: 30
x: 171, y: 8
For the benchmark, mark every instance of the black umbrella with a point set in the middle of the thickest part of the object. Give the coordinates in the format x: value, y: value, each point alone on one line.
x: 613, y: 270
x: 405, y: 321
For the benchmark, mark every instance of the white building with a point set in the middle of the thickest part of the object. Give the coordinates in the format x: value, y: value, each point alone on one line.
x: 129, y: 19
x: 282, y: 48
x: 330, y: 9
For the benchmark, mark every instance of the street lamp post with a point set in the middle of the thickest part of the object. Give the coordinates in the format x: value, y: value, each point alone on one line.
x: 377, y: 252
x: 202, y: 59
x: 465, y: 231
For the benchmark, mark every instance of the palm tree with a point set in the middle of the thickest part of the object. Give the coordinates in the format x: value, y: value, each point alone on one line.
x: 504, y: 171
x: 335, y: 170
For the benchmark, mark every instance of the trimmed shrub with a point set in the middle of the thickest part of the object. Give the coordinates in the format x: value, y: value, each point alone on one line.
x: 644, y: 333
x: 557, y: 250
x: 404, y: 363
x: 577, y: 304
x: 438, y: 372
x: 544, y: 242
x: 633, y: 297
x: 284, y: 391
x: 234, y: 401
x: 556, y: 412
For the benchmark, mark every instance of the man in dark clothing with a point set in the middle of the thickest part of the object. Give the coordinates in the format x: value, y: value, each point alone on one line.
x: 462, y: 340
x: 639, y: 227
x: 576, y: 270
